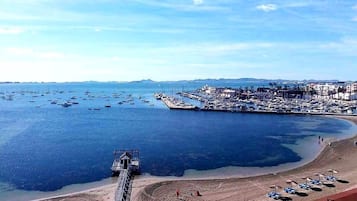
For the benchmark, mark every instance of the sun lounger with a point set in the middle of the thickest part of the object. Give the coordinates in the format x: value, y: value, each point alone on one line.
x: 331, y: 178
x: 289, y: 190
x: 274, y: 195
x: 315, y: 182
x: 304, y: 186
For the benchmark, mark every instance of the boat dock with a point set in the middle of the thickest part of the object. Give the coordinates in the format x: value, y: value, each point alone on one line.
x: 175, y: 104
x: 125, y: 165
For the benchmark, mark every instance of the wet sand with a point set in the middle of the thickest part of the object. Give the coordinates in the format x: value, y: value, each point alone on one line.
x: 341, y: 155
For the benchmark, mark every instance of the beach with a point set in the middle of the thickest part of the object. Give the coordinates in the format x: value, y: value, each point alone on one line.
x: 339, y: 155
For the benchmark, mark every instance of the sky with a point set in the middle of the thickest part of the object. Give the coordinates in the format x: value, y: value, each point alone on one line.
x: 125, y: 40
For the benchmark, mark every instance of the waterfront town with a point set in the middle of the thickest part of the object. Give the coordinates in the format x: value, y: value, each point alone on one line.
x: 297, y: 98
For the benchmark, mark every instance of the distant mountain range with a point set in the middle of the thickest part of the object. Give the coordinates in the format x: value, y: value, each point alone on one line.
x: 202, y: 81
x: 223, y: 80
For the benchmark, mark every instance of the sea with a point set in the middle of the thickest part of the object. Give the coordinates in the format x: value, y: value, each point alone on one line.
x: 46, y: 147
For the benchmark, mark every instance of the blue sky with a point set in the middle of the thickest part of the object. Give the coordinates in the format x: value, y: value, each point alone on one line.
x: 123, y: 40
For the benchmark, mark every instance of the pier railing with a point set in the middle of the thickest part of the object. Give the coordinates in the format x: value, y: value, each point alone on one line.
x: 124, y: 186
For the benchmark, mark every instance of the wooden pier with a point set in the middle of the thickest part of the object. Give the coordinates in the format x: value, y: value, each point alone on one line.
x: 125, y: 166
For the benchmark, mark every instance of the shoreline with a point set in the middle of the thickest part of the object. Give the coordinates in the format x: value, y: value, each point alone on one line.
x: 144, y: 186
x: 261, y: 183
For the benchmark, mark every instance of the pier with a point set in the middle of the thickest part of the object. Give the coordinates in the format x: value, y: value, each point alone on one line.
x: 175, y: 104
x: 126, y: 164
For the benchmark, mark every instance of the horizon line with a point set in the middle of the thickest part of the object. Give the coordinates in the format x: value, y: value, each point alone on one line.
x: 183, y: 80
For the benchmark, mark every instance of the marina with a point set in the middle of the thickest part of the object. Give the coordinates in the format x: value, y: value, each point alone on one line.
x: 272, y: 100
x: 174, y: 103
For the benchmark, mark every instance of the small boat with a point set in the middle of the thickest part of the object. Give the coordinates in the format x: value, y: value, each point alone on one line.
x: 158, y: 96
x: 66, y: 104
x: 107, y: 106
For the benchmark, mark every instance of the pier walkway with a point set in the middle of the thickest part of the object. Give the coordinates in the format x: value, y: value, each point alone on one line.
x: 124, y: 186
x: 125, y: 167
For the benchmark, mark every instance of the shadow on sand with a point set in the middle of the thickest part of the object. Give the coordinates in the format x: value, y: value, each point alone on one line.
x: 301, y: 194
x: 330, y: 185
x: 316, y: 189
x: 343, y: 181
x: 285, y: 198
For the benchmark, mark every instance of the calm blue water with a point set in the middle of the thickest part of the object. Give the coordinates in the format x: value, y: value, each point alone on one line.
x: 44, y: 146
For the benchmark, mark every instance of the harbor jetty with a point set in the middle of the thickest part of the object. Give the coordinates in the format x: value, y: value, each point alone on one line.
x: 125, y: 165
x: 174, y: 103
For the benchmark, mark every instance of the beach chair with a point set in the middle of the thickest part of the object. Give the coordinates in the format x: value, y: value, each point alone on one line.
x: 290, y: 189
x: 274, y: 195
x: 305, y: 185
x: 331, y: 177
x: 314, y: 181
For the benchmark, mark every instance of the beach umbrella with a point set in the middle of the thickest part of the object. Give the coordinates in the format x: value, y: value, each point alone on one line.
x: 273, y: 187
x: 318, y: 176
x: 321, y: 176
x: 332, y: 171
x: 305, y: 178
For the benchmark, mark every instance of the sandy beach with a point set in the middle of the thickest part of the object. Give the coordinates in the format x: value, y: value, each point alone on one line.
x: 103, y: 193
x: 340, y: 155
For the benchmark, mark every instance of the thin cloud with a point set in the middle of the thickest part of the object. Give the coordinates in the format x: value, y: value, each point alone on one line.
x: 11, y: 30
x: 182, y: 6
x: 267, y: 7
x: 215, y: 48
x: 19, y: 51
x: 345, y: 46
x: 28, y: 52
x: 197, y: 2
